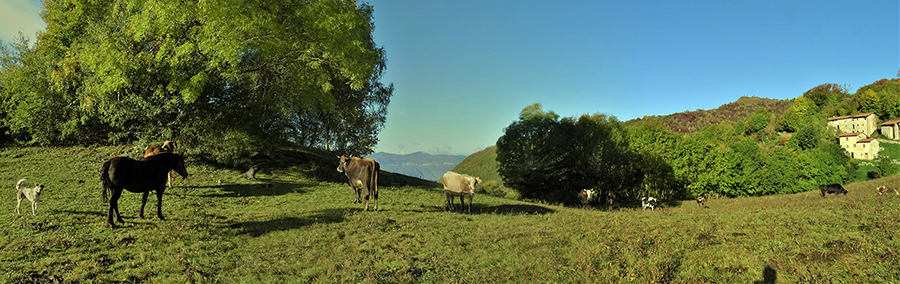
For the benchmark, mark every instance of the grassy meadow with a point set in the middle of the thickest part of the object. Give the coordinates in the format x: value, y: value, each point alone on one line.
x: 296, y: 224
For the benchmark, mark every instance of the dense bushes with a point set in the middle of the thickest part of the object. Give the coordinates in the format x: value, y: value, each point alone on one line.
x: 548, y: 158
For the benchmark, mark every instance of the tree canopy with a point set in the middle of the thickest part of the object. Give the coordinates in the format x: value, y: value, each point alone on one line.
x: 227, y: 78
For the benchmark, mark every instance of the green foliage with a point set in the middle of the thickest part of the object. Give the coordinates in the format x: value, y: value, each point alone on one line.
x: 802, y: 113
x: 869, y: 101
x: 826, y: 94
x: 886, y: 166
x: 757, y: 122
x: 551, y: 159
x: 806, y: 138
x: 120, y: 71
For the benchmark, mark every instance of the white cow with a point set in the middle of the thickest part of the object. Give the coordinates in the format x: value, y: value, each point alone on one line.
x: 586, y: 196
x: 648, y: 202
x: 461, y: 185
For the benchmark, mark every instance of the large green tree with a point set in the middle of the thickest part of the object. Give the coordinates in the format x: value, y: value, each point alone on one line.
x: 229, y: 78
x: 547, y: 158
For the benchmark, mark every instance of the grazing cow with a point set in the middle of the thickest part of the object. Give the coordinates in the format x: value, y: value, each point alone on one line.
x: 882, y: 190
x: 362, y: 174
x: 648, y: 202
x: 700, y: 200
x: 586, y: 196
x: 167, y: 147
x: 832, y: 188
x: 459, y: 185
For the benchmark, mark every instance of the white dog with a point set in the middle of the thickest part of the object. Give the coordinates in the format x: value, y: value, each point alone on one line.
x: 33, y: 194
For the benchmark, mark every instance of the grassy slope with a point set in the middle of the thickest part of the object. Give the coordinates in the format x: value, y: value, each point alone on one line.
x: 483, y: 164
x: 287, y: 227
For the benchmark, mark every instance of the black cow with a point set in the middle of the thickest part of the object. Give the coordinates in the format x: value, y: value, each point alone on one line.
x: 832, y: 188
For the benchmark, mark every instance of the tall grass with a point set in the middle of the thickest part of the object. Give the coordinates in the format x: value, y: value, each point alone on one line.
x: 290, y: 228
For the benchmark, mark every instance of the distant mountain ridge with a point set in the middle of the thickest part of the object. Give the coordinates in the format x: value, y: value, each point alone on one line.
x: 419, y: 164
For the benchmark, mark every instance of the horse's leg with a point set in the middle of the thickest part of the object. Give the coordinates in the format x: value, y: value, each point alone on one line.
x: 114, y: 207
x: 144, y: 202
x: 159, y: 194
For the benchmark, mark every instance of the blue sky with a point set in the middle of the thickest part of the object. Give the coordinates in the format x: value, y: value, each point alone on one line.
x: 463, y: 70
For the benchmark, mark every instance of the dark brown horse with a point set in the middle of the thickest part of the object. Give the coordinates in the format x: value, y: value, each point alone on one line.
x: 138, y: 176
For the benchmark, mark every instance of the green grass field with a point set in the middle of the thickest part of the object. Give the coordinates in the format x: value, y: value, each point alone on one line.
x: 290, y: 228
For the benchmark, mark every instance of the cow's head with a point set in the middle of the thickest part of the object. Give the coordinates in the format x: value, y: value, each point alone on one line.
x: 589, y: 193
x: 342, y: 165
x: 168, y: 146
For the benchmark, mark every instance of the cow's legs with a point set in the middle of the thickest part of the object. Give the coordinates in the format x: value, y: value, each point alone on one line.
x: 470, y: 202
x: 143, y: 202
x: 449, y: 202
x: 159, y: 195
x: 374, y: 190
x: 355, y: 192
x: 366, y: 197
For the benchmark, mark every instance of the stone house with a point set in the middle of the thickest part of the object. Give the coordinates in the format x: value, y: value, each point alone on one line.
x: 859, y: 146
x: 867, y: 123
x: 891, y: 129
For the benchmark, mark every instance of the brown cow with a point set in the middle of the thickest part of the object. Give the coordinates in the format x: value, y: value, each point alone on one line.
x: 362, y: 174
x: 459, y: 185
x: 167, y: 147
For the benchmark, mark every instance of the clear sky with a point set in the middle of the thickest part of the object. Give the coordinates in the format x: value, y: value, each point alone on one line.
x: 464, y: 69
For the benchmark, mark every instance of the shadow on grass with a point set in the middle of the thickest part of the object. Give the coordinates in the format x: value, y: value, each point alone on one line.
x: 78, y: 212
x: 268, y: 188
x: 512, y: 209
x: 259, y: 228
x: 769, y: 276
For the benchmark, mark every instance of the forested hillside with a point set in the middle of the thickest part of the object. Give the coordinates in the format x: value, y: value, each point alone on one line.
x: 751, y: 147
x: 692, y: 121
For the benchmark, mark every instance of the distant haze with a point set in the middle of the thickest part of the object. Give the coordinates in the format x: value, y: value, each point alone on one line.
x: 419, y: 164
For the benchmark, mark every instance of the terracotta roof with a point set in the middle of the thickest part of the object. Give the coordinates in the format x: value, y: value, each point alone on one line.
x: 850, y: 116
x: 867, y: 140
x: 849, y: 134
x: 892, y: 121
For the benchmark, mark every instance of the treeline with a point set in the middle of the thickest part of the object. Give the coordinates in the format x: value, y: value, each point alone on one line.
x: 228, y: 79
x: 785, y: 150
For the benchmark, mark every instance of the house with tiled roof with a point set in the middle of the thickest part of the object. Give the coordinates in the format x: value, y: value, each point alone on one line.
x: 891, y: 129
x: 859, y: 146
x: 867, y: 123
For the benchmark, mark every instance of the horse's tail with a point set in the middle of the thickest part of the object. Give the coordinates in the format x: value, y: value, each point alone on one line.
x: 104, y: 179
